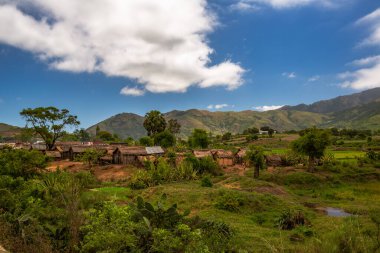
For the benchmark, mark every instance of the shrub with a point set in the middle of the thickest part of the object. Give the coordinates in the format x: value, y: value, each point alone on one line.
x: 208, y: 165
x: 141, y: 180
x: 229, y: 201
x: 206, y: 182
x: 289, y: 219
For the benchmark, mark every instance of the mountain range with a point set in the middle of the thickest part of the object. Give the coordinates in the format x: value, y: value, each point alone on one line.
x: 359, y: 110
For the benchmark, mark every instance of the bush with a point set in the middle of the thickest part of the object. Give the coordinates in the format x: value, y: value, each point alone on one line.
x: 21, y: 163
x: 206, y: 182
x: 208, y: 165
x: 290, y: 219
x: 229, y: 201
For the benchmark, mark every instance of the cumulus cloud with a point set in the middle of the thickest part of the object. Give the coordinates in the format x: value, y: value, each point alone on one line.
x: 285, y: 4
x: 314, y: 78
x: 127, y: 91
x: 159, y: 44
x: 366, y: 74
x: 265, y: 108
x: 289, y: 75
x: 363, y: 78
x: 218, y: 106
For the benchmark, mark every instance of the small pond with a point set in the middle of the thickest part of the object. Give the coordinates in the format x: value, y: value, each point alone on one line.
x: 336, y: 212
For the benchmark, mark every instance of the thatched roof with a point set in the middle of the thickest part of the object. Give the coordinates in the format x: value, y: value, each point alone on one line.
x: 241, y: 153
x: 79, y: 149
x: 221, y: 153
x: 53, y: 154
x: 132, y: 150
x: 202, y: 153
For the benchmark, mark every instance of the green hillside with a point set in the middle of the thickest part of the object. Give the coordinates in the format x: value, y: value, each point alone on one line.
x: 127, y: 124
x: 360, y: 110
x: 340, y: 103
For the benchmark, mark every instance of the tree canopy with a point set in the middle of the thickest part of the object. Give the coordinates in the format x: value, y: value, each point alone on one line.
x: 173, y: 126
x: 49, y: 122
x: 255, y: 157
x: 312, y: 144
x: 154, y: 122
x: 199, y: 139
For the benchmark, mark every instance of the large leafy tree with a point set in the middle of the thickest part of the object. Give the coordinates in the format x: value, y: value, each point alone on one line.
x: 49, y: 122
x: 154, y: 123
x: 173, y: 126
x: 165, y: 139
x: 199, y: 139
x: 82, y: 135
x: 255, y: 158
x: 312, y: 144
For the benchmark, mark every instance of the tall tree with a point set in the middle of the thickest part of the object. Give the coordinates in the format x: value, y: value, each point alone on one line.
x: 82, y: 135
x: 49, y: 122
x: 199, y: 139
x: 154, y: 122
x: 255, y: 157
x: 173, y: 126
x: 313, y: 144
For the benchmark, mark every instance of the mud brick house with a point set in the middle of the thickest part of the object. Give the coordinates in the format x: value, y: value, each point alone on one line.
x: 136, y: 155
x: 224, y: 158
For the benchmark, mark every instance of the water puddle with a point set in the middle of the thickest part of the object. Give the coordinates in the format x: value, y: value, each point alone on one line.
x: 336, y: 212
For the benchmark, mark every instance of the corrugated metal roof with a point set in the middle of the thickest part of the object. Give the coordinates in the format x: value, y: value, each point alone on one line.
x: 154, y: 150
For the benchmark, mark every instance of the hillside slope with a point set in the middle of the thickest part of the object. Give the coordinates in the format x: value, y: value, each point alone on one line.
x: 339, y: 103
x: 128, y: 124
x: 8, y: 130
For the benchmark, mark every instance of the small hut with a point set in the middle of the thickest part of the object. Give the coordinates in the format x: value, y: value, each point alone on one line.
x: 65, y: 151
x: 76, y: 151
x: 240, y: 156
x: 107, y: 158
x: 54, y: 155
x: 39, y: 147
x: 129, y: 155
x: 224, y: 158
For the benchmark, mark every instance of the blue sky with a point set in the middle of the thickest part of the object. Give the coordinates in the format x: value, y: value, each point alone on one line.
x: 265, y: 53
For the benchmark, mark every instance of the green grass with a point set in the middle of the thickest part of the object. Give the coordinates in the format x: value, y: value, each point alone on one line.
x: 344, y: 155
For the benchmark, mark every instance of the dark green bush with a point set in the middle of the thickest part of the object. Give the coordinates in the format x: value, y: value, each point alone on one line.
x: 206, y: 182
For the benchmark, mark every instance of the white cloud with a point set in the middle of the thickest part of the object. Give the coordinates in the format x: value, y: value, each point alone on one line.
x: 289, y: 75
x: 285, y: 4
x: 367, y: 72
x: 244, y: 6
x: 127, y: 91
x: 366, y: 61
x: 265, y: 108
x: 363, y: 78
x: 218, y: 106
x: 160, y: 44
x: 371, y: 20
x: 314, y: 78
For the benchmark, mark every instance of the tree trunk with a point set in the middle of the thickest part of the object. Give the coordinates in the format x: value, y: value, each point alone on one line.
x: 256, y: 172
x: 311, y: 164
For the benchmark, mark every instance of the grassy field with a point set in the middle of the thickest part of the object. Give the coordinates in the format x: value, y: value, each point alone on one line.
x: 264, y: 200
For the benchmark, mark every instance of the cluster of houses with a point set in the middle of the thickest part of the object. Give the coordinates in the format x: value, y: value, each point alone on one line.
x: 117, y: 153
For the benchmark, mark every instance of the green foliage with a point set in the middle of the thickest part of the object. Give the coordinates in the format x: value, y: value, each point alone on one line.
x: 227, y: 136
x: 21, y: 163
x: 313, y: 144
x: 255, y: 157
x: 173, y: 126
x: 109, y: 229
x: 163, y: 172
x: 82, y: 135
x: 199, y: 139
x: 154, y: 123
x: 206, y: 182
x: 290, y: 219
x: 229, y: 201
x: 203, y: 165
x: 90, y: 156
x: 146, y: 141
x: 49, y: 122
x: 105, y: 136
x: 252, y: 137
x: 165, y: 139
